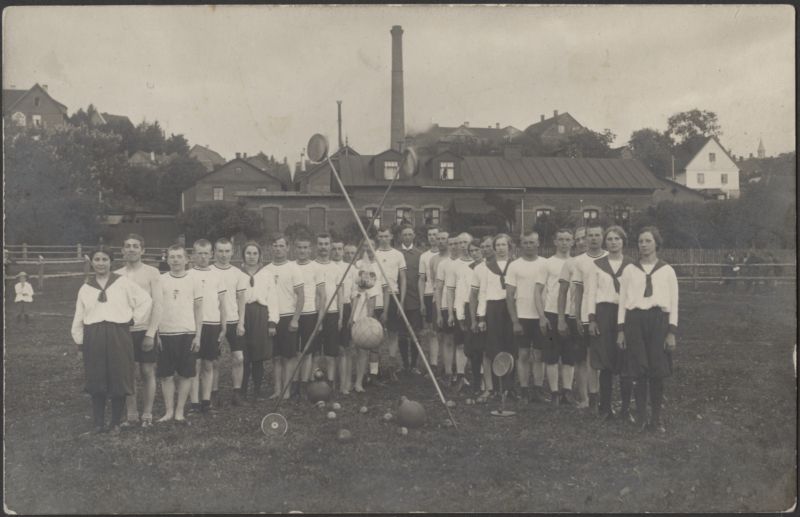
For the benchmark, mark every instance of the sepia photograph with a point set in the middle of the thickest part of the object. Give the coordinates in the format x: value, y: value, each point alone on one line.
x: 386, y: 259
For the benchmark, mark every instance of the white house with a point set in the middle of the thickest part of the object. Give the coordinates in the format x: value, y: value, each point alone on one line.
x: 711, y: 170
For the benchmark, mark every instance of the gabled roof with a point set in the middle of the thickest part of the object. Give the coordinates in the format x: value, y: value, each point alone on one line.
x: 526, y: 172
x: 543, y: 125
x: 250, y: 165
x: 685, y: 158
x: 108, y: 117
x: 668, y: 183
x: 206, y: 153
x: 438, y: 133
x: 13, y: 97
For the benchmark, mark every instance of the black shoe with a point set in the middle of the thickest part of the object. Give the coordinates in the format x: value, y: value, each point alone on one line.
x: 236, y: 399
x: 627, y: 417
x: 537, y: 396
x: 593, y: 400
x: 567, y: 399
x: 608, y: 415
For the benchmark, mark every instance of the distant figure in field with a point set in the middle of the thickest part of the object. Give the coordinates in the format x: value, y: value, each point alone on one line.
x: 729, y: 272
x: 24, y: 296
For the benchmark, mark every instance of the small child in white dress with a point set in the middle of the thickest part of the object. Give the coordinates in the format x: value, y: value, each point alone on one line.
x: 24, y: 296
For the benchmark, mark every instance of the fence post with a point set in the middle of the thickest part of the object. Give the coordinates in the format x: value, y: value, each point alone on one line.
x: 695, y: 269
x: 41, y: 273
x: 80, y: 250
x: 24, y: 251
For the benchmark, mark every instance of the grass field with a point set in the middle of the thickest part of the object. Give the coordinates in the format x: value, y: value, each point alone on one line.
x: 730, y: 443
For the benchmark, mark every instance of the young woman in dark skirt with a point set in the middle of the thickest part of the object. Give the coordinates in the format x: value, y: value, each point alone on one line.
x: 647, y: 322
x: 602, y: 288
x: 101, y: 328
x: 261, y: 314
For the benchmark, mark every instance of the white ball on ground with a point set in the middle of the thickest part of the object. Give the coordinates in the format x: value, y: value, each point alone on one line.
x: 321, y: 404
x: 403, y: 431
x: 336, y: 406
x: 331, y: 415
x: 450, y: 403
x: 363, y: 409
x: 387, y: 416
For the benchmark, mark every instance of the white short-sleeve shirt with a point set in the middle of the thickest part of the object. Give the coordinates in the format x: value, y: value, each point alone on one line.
x: 424, y: 269
x: 178, y: 294
x: 331, y: 273
x: 236, y: 281
x: 212, y: 285
x: 392, y: 262
x: 550, y: 281
x: 523, y: 275
x: 312, y: 278
x: 287, y: 277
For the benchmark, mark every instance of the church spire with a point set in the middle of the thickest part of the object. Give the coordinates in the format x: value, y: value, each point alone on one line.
x: 761, y: 151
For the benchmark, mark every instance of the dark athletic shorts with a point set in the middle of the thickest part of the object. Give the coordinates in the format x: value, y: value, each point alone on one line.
x: 445, y: 329
x: 139, y: 355
x: 235, y: 342
x: 557, y: 346
x: 304, y: 329
x: 344, y: 334
x: 209, y: 343
x: 176, y: 356
x: 327, y: 339
x: 430, y: 311
x: 531, y: 334
x: 285, y: 341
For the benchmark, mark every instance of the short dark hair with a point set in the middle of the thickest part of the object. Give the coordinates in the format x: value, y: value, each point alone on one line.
x: 654, y: 232
x: 135, y: 237
x: 102, y: 248
x: 475, y: 243
x: 530, y: 232
x: 324, y: 235
x: 594, y: 224
x: 278, y: 236
x: 177, y: 247
x: 564, y: 230
x: 406, y: 227
x: 431, y: 227
x: 384, y: 229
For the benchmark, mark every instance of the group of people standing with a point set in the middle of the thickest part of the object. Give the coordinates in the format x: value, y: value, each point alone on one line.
x: 574, y: 320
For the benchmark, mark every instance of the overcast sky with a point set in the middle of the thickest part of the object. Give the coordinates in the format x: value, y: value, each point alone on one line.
x: 265, y: 78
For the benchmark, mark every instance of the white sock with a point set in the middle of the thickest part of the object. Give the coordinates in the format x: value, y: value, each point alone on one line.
x: 567, y: 373
x: 373, y: 368
x: 552, y: 376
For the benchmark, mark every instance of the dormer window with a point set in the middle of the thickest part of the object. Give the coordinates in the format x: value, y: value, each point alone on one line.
x: 390, y: 169
x: 590, y: 215
x: 447, y: 171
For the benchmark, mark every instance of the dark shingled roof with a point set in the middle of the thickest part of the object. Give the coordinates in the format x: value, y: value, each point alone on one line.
x: 527, y: 172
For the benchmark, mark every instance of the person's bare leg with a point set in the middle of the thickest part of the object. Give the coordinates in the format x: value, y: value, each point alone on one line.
x: 168, y: 390
x: 184, y: 385
x: 237, y: 368
x: 148, y: 371
x: 206, y: 379
x: 195, y: 390
x: 277, y: 376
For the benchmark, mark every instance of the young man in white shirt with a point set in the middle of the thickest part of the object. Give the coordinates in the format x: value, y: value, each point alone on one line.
x: 180, y: 325
x: 459, y: 270
x: 291, y: 299
x: 313, y: 308
x: 523, y: 274
x: 426, y: 287
x: 444, y: 323
x: 588, y: 248
x: 393, y: 264
x: 442, y: 239
x: 144, y: 334
x: 236, y: 283
x: 558, y: 348
x: 326, y: 345
x: 214, y: 325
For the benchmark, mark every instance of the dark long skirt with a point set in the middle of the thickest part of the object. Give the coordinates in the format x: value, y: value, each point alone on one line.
x: 108, y: 358
x: 605, y: 354
x: 258, y: 342
x: 499, y: 329
x: 645, y: 354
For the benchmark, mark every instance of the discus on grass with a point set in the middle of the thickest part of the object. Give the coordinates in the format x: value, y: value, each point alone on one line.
x: 317, y: 148
x: 502, y: 364
x: 274, y: 424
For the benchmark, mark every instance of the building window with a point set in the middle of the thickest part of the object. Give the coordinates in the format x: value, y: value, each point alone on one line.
x: 723, y: 179
x: 237, y: 170
x: 590, y: 214
x: 447, y: 171
x: 37, y: 120
x: 403, y: 216
x: 219, y: 194
x: 19, y: 118
x: 622, y: 217
x: 389, y: 170
x: 542, y: 214
x: 561, y: 129
x: 370, y: 213
x: 36, y: 101
x: 431, y: 215
x: 701, y: 178
x: 712, y: 157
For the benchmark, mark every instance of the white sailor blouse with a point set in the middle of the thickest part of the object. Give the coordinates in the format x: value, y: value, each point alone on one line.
x: 118, y: 302
x: 641, y: 290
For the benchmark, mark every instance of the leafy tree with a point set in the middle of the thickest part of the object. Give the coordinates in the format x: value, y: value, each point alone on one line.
x: 504, y: 208
x: 691, y: 124
x: 56, y: 195
x: 176, y: 144
x: 546, y: 226
x: 220, y: 220
x: 654, y: 149
x: 175, y: 177
x: 588, y: 144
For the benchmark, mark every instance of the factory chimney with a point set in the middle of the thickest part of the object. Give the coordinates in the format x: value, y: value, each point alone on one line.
x: 398, y: 127
x: 339, y: 103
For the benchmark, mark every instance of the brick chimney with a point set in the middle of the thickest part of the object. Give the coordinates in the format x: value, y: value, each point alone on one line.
x: 398, y: 125
x: 466, y: 123
x: 44, y: 86
x: 542, y: 119
x: 339, y: 118
x: 244, y: 155
x: 497, y: 125
x: 555, y: 113
x: 238, y: 155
